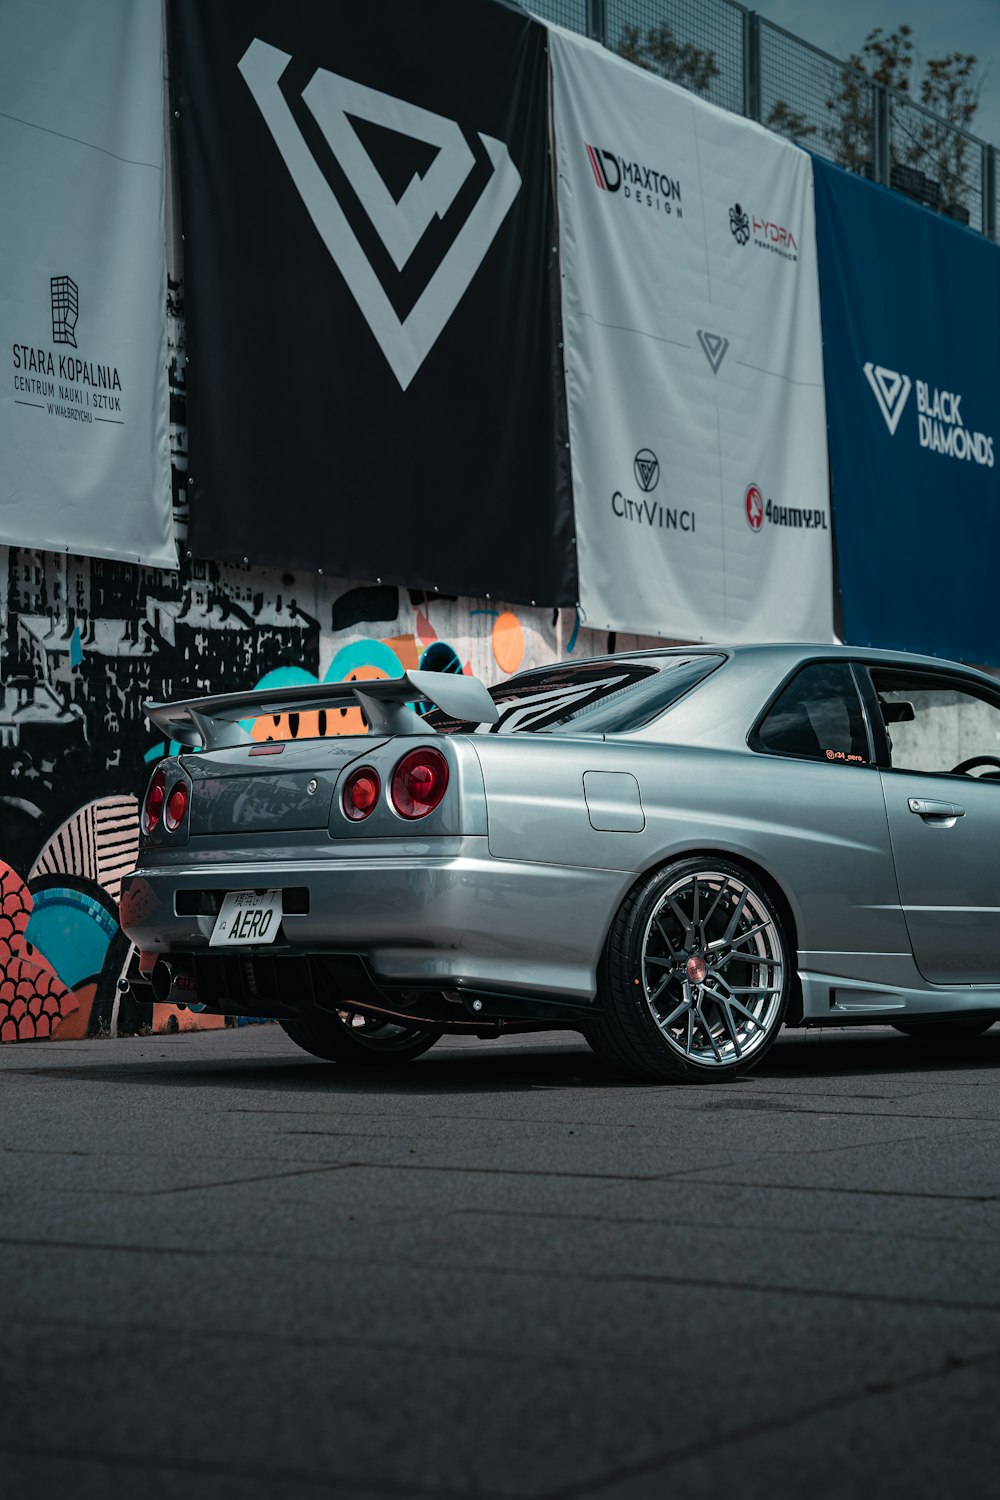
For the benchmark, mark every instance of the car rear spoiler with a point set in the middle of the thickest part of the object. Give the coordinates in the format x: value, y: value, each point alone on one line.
x: 213, y: 723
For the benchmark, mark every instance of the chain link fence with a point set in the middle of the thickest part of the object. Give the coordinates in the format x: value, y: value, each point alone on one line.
x: 734, y: 58
x: 941, y: 167
x: 696, y: 43
x: 816, y: 100
x: 569, y: 13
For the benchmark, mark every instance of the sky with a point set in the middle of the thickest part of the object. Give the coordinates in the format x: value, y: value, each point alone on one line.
x: 938, y: 26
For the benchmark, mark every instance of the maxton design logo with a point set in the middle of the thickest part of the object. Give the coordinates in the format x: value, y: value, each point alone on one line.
x: 714, y: 347
x: 754, y: 504
x: 648, y: 187
x: 646, y: 467
x: 400, y: 224
x: 65, y: 309
x: 891, y: 390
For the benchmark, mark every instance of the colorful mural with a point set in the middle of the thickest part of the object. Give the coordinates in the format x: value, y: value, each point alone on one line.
x: 84, y: 641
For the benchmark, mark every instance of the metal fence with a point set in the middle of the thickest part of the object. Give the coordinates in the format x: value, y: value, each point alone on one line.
x: 735, y: 58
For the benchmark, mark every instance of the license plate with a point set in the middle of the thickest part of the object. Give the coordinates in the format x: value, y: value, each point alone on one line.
x: 247, y: 917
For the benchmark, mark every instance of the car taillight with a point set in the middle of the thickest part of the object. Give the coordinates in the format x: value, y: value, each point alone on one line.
x: 419, y: 782
x: 153, y: 805
x: 361, y: 793
x: 176, y: 807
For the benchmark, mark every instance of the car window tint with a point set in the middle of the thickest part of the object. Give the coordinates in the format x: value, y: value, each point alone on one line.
x: 818, y: 716
x: 934, y: 724
x: 607, y: 697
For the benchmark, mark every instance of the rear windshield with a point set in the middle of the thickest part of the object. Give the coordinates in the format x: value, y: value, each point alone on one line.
x: 606, y: 697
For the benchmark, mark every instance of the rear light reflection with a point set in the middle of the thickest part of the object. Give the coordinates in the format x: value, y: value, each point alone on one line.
x: 419, y: 782
x: 361, y: 793
x: 177, y: 803
x: 153, y: 806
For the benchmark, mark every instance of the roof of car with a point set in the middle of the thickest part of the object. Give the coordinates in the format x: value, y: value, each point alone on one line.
x: 788, y: 653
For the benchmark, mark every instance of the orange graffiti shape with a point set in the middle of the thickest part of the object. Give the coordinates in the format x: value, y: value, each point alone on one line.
x: 33, y: 999
x: 318, y: 723
x: 508, y: 642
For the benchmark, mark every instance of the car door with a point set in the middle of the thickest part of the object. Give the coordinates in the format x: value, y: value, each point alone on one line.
x: 944, y: 825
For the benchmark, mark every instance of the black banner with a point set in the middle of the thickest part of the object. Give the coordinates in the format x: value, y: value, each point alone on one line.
x: 372, y: 293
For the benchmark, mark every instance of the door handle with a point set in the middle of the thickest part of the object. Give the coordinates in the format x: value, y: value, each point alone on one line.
x: 924, y: 807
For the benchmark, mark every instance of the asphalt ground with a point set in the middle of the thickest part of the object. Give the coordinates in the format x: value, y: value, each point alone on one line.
x: 227, y: 1270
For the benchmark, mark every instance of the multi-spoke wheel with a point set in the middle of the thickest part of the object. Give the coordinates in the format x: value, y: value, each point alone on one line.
x: 347, y: 1036
x: 695, y: 974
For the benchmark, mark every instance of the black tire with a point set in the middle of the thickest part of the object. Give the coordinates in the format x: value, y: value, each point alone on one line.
x: 669, y: 1011
x: 961, y: 1029
x: 349, y: 1037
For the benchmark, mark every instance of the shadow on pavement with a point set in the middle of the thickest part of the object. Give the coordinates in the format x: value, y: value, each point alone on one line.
x: 548, y: 1063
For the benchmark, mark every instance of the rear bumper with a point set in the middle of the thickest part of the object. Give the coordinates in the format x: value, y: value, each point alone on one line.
x: 463, y: 922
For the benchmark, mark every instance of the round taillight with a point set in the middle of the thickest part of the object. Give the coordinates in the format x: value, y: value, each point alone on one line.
x: 177, y: 803
x: 361, y: 793
x: 153, y: 805
x: 419, y: 782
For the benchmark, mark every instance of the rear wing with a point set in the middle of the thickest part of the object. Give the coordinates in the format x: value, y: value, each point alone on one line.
x: 213, y: 723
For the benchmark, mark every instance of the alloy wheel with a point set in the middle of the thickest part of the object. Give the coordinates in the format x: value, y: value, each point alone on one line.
x: 712, y: 968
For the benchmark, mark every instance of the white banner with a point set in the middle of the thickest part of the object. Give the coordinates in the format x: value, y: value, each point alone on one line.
x: 83, y: 345
x: 693, y: 360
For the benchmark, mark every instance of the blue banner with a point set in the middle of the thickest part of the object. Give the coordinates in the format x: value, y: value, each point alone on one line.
x: 911, y: 332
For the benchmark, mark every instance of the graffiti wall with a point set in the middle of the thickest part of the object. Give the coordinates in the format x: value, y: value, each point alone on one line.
x: 84, y: 641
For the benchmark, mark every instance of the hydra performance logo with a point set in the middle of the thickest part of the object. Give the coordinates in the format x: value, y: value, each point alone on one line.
x: 767, y: 233
x: 646, y: 468
x: 891, y: 390
x: 65, y: 309
x: 400, y: 223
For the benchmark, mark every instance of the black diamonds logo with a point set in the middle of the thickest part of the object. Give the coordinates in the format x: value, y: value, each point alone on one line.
x: 646, y: 466
x: 714, y: 346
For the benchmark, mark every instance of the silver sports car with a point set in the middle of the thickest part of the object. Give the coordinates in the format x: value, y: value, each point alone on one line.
x: 674, y: 852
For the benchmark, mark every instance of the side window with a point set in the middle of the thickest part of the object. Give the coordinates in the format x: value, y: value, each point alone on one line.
x: 818, y: 716
x: 935, y: 724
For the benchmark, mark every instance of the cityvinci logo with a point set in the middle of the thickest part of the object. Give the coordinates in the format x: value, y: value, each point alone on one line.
x: 646, y: 187
x: 50, y: 380
x: 767, y: 234
x: 940, y: 425
x: 400, y: 221
x: 648, y: 512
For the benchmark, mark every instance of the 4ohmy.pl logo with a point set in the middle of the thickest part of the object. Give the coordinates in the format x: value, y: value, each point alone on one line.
x: 400, y: 223
x: 758, y: 510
